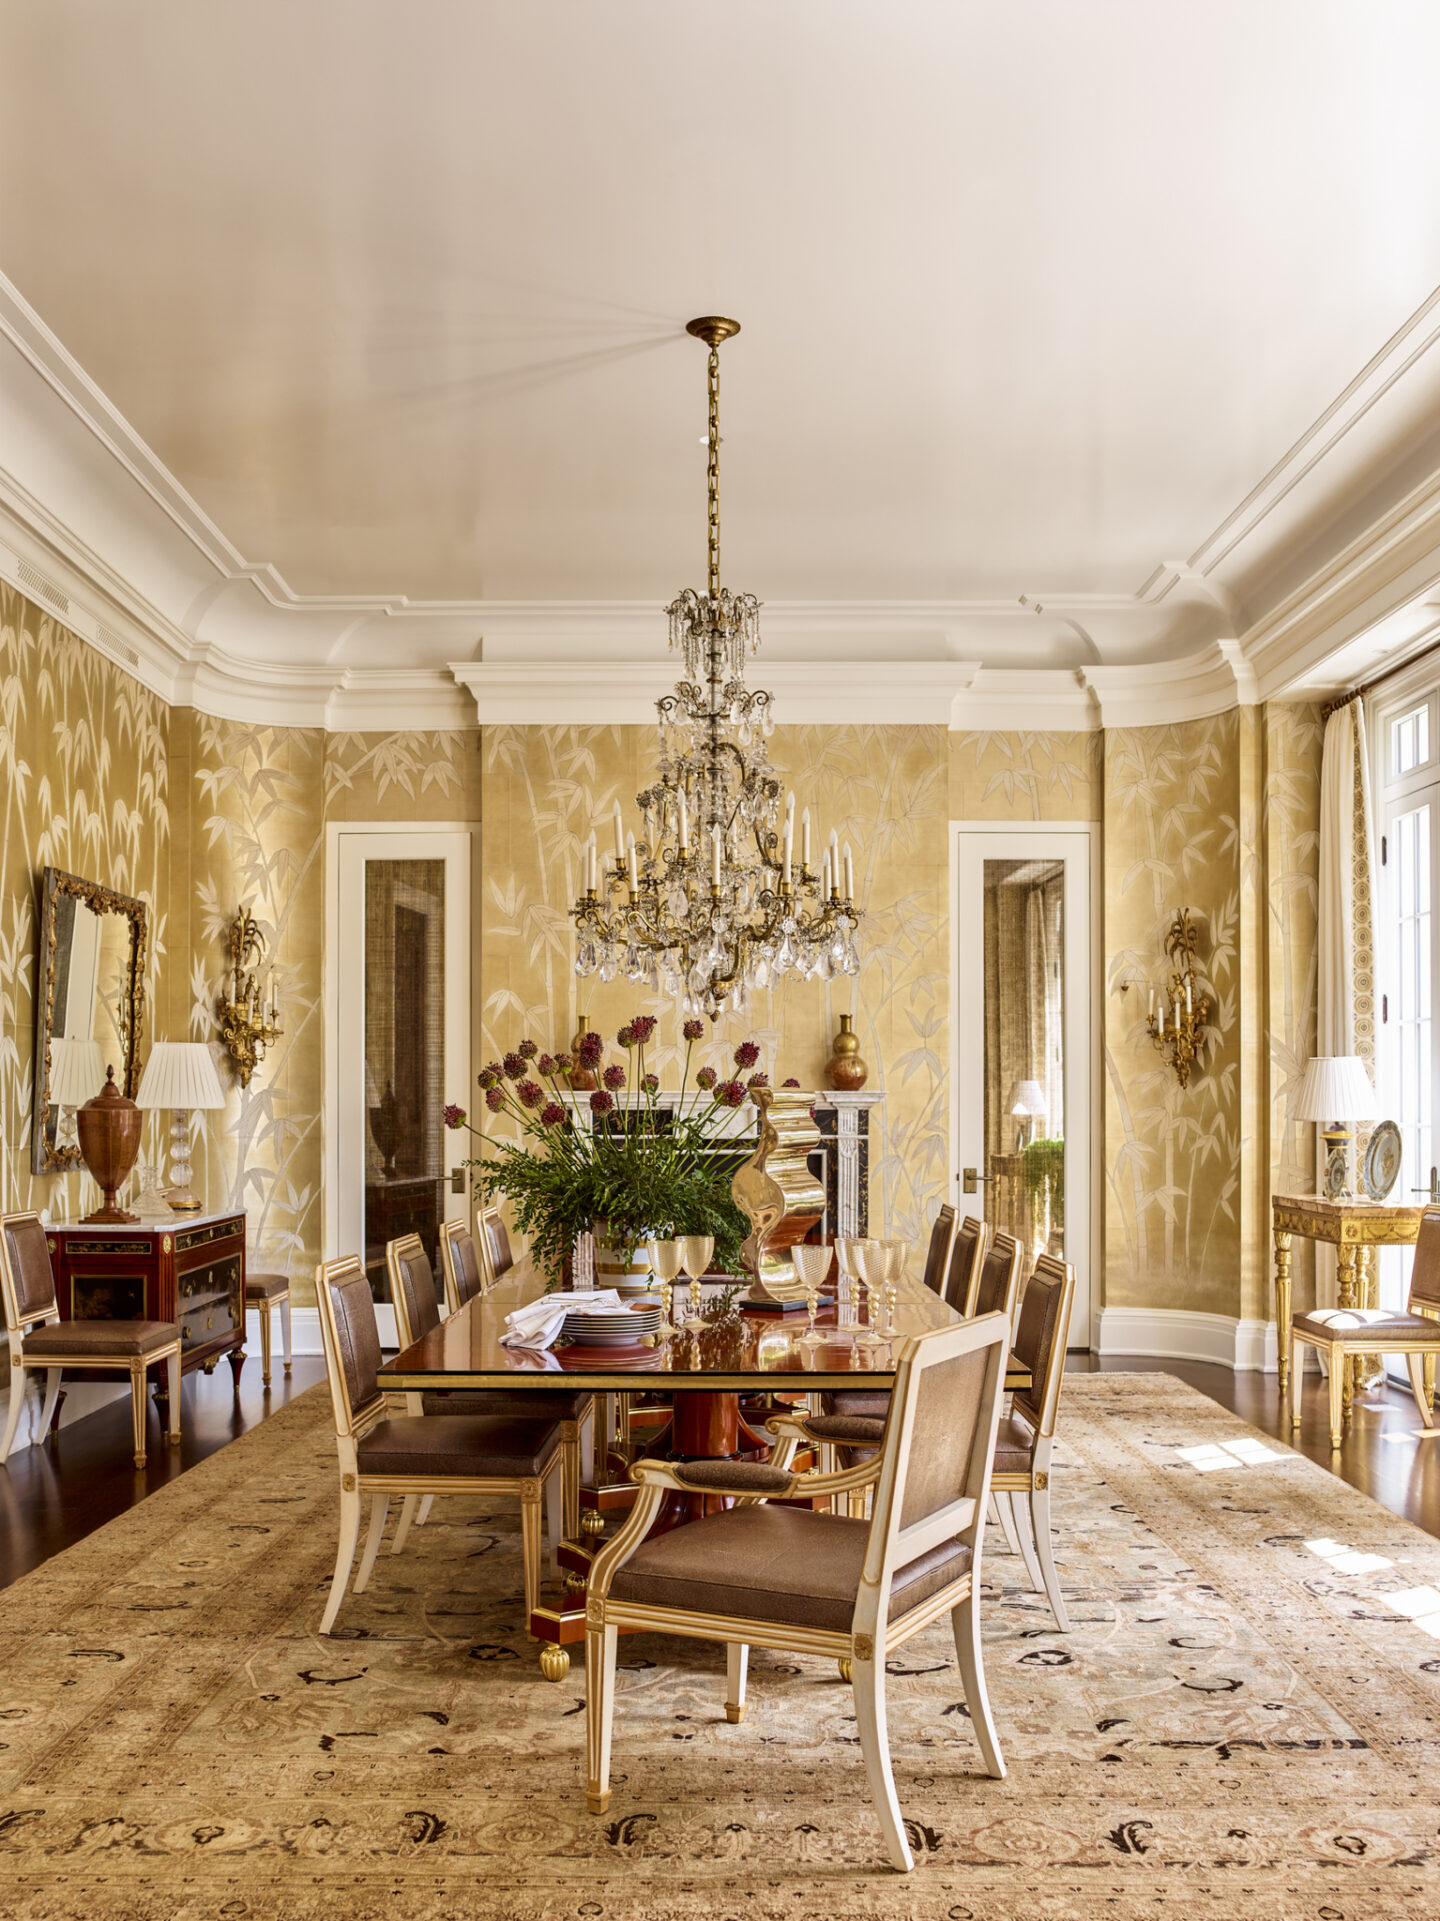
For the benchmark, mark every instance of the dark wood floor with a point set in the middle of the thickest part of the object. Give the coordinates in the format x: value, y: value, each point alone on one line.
x: 54, y: 1495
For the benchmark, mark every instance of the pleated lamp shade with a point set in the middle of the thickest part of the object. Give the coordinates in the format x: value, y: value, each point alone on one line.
x: 1336, y: 1087
x: 77, y: 1070
x: 180, y: 1074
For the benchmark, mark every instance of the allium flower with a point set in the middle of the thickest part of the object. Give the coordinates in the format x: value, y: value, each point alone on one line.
x: 488, y: 1076
x: 758, y: 1080
x: 693, y: 1030
x: 515, y: 1066
x: 547, y: 1065
x: 792, y: 1082
x: 454, y: 1116
x: 730, y: 1093
x: 494, y: 1099
x: 651, y: 1083
x: 746, y: 1054
x: 706, y: 1078
x: 591, y: 1050
x: 626, y: 1036
x: 527, y: 1050
x: 552, y: 1115
x: 530, y: 1093
x: 601, y: 1102
x: 614, y: 1077
x: 564, y: 1064
x: 643, y: 1028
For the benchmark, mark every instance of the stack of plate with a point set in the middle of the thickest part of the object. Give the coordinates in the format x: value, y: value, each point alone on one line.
x: 620, y: 1328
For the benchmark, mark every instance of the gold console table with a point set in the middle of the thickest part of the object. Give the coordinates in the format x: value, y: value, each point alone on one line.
x: 1353, y: 1229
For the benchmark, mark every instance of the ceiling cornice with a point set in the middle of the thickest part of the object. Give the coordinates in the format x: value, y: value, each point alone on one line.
x: 131, y: 562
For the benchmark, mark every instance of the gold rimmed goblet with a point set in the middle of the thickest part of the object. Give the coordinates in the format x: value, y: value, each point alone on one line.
x: 869, y: 1259
x: 695, y: 1252
x: 665, y: 1263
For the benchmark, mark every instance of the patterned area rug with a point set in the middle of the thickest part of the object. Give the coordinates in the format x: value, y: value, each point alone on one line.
x: 1241, y: 1723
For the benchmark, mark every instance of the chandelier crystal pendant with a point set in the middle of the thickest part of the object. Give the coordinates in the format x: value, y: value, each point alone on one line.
x: 713, y: 898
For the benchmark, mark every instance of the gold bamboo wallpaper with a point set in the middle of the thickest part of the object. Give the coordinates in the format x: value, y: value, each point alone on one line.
x: 196, y: 815
x: 883, y: 789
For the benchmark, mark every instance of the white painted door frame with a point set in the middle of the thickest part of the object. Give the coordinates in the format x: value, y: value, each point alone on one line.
x: 1077, y: 843
x: 348, y: 846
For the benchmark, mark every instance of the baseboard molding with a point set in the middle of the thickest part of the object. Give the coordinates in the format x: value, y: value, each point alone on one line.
x: 1184, y: 1334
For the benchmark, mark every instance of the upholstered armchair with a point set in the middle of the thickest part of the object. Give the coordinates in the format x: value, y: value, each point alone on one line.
x: 805, y: 1582
x: 384, y: 1455
x: 40, y: 1342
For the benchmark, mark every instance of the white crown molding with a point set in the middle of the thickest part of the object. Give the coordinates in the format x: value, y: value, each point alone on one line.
x: 146, y: 576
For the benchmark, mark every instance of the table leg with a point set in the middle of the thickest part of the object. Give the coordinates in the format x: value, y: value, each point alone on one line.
x: 1282, y: 1307
x: 1345, y: 1278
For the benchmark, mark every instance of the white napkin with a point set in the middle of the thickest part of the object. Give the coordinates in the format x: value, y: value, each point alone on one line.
x: 538, y: 1324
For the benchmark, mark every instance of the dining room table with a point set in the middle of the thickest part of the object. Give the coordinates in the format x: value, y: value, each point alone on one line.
x: 700, y: 1390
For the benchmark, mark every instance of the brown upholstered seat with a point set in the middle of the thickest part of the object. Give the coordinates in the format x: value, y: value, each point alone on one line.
x: 458, y: 1444
x: 523, y: 1404
x: 1014, y: 1445
x: 39, y: 1340
x: 1397, y: 1327
x: 776, y: 1564
x: 124, y: 1339
x: 861, y: 1430
x: 266, y: 1287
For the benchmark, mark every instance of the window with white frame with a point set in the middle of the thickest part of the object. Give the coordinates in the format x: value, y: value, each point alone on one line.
x: 1407, y: 931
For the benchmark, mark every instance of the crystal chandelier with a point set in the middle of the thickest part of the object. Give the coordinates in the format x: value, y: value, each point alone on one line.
x: 714, y: 899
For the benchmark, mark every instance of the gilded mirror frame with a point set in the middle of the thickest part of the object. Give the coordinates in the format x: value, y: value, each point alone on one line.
x: 56, y: 885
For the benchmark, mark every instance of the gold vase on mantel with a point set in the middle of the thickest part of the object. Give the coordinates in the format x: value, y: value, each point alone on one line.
x: 845, y: 1071
x: 580, y: 1078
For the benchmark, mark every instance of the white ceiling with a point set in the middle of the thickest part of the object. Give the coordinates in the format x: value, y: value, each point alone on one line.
x: 1033, y: 295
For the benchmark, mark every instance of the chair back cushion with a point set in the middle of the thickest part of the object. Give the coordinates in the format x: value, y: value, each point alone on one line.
x: 495, y: 1243
x: 462, y: 1264
x: 948, y: 1399
x: 1040, y: 1337
x: 29, y: 1283
x: 412, y: 1289
x: 357, y: 1338
x: 937, y: 1258
x: 999, y: 1285
x: 965, y: 1251
x: 1425, y: 1274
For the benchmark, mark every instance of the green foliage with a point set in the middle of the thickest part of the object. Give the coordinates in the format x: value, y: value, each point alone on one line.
x: 1044, y: 1175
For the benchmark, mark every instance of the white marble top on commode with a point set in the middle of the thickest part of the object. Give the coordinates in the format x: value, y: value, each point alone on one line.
x: 167, y: 1225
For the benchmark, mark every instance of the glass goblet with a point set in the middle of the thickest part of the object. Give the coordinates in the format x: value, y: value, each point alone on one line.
x: 695, y: 1252
x: 897, y: 1253
x: 812, y: 1265
x: 665, y: 1261
x: 869, y: 1259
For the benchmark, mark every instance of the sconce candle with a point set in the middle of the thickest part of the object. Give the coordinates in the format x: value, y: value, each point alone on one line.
x: 247, y: 1027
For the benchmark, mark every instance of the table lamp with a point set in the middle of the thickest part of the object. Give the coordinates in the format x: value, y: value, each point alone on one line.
x: 1336, y: 1091
x: 77, y: 1070
x: 180, y: 1075
x: 1027, y: 1101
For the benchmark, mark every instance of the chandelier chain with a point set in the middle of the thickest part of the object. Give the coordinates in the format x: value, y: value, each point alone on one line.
x: 712, y: 473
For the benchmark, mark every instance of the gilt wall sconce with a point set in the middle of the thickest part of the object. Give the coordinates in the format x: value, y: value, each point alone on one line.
x: 1184, y: 1012
x: 249, y: 1016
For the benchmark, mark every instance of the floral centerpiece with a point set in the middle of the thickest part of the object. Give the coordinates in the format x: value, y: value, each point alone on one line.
x: 641, y: 1169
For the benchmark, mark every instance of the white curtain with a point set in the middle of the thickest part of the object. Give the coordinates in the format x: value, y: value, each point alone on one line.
x: 1346, y: 1023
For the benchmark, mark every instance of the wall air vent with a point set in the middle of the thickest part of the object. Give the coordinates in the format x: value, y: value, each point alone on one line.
x: 32, y: 578
x: 113, y: 644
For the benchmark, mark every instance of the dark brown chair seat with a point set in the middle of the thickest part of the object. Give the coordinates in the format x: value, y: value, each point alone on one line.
x: 457, y: 1444
x: 124, y: 1339
x: 1398, y: 1326
x: 524, y: 1404
x: 266, y: 1287
x: 1014, y: 1445
x: 775, y: 1564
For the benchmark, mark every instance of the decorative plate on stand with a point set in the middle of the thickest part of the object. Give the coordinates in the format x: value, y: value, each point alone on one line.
x: 1381, y: 1167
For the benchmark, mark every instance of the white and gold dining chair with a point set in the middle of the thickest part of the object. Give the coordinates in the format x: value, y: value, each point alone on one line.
x: 1021, y: 1481
x: 803, y: 1582
x: 383, y: 1454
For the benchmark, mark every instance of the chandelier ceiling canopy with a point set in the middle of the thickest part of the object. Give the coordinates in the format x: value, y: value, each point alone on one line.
x: 713, y: 899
